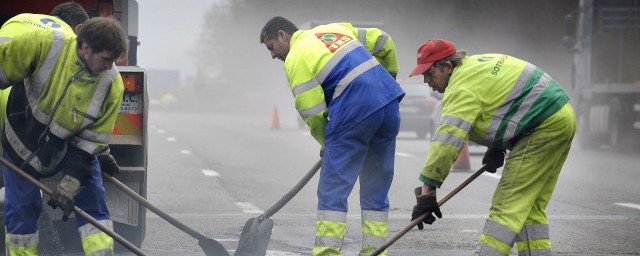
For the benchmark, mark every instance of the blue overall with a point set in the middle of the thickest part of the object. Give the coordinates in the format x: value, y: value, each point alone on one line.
x: 366, y: 150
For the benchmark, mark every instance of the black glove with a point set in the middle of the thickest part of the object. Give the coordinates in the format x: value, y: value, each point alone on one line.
x: 494, y: 159
x: 426, y: 204
x: 322, y: 152
x: 63, y: 195
x: 109, y: 165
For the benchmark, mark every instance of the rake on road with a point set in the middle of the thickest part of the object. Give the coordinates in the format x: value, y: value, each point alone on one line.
x: 423, y: 216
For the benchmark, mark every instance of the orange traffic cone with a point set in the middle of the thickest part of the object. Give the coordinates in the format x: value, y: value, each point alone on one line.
x: 462, y: 163
x: 275, y: 121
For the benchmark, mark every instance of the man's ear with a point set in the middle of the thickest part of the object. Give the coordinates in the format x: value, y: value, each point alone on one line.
x: 85, y: 48
x: 285, y: 36
x: 448, y: 67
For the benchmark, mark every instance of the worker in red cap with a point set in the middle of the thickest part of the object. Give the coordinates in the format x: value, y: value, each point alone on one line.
x: 503, y: 103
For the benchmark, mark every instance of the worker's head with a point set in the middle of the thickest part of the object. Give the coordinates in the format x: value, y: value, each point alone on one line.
x: 436, y: 60
x: 100, y: 42
x: 276, y: 35
x: 72, y: 13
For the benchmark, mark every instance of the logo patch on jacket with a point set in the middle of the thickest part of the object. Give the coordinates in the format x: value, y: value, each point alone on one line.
x: 334, y: 41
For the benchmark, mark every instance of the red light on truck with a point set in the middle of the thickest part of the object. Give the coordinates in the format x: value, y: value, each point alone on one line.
x: 132, y: 81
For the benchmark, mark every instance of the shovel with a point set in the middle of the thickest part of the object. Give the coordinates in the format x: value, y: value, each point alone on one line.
x: 77, y: 210
x: 419, y: 219
x: 257, y: 231
x: 209, y: 246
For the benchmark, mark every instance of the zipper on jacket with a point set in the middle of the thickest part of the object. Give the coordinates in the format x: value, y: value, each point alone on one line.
x: 77, y: 112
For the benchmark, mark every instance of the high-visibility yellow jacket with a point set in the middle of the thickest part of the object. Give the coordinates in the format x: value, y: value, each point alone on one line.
x: 491, y: 99
x: 61, y: 107
x: 29, y: 21
x: 334, y: 77
x: 25, y: 22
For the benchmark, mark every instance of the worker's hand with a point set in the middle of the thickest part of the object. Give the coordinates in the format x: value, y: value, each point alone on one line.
x: 63, y: 195
x: 425, y: 204
x: 494, y: 159
x: 322, y: 152
x: 108, y: 164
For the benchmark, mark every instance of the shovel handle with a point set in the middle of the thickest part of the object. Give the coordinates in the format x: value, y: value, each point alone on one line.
x: 423, y: 216
x: 286, y: 198
x: 77, y: 210
x: 140, y: 199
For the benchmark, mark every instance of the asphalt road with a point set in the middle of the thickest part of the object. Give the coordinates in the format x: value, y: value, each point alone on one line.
x: 214, y: 172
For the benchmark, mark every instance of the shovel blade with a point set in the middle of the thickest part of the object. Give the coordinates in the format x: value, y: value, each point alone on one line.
x: 212, y: 247
x: 255, y: 237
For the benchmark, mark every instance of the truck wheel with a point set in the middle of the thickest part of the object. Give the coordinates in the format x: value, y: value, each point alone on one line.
x: 614, y: 122
x: 593, y: 127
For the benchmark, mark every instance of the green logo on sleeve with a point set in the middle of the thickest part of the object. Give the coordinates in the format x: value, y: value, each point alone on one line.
x: 486, y: 58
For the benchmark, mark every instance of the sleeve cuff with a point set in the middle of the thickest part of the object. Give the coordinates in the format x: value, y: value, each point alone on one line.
x: 430, y: 182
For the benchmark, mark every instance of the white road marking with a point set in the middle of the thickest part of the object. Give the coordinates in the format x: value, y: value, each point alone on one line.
x: 469, y: 231
x: 160, y: 131
x: 227, y: 239
x: 403, y: 154
x: 171, y: 139
x: 248, y: 207
x: 281, y: 253
x: 630, y: 205
x: 210, y: 173
x: 492, y: 175
x: 185, y: 152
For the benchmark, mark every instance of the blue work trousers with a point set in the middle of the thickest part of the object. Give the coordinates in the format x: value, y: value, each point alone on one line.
x: 23, y: 202
x: 367, y: 150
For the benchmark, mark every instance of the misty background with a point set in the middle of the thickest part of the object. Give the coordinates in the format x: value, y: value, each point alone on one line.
x: 206, y: 55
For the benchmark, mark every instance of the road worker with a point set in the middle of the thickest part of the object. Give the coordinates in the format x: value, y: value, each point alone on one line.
x: 58, y: 120
x: 503, y: 103
x: 70, y: 13
x: 350, y: 102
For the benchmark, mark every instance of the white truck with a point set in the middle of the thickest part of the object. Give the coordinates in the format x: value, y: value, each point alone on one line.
x: 604, y: 37
x: 129, y: 140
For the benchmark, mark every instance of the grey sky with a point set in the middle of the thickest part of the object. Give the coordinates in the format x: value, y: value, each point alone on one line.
x: 167, y: 33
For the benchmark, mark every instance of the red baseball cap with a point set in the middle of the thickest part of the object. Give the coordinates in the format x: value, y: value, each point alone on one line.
x: 430, y: 52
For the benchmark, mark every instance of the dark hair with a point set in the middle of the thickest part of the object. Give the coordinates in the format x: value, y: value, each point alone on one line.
x: 455, y: 60
x: 70, y: 12
x: 270, y: 30
x: 103, y: 34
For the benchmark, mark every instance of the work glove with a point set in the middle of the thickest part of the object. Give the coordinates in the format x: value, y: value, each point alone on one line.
x: 494, y: 159
x: 63, y: 195
x: 322, y: 152
x: 425, y: 204
x: 109, y: 165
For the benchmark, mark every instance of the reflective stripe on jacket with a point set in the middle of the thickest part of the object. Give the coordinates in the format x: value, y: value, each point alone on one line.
x: 491, y: 99
x: 334, y: 77
x: 65, y: 104
x: 379, y: 44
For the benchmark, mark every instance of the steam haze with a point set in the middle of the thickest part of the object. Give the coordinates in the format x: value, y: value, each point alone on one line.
x: 223, y: 67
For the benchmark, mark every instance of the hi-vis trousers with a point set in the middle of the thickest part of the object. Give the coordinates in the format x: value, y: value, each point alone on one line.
x: 517, y: 214
x: 366, y: 151
x: 23, y: 204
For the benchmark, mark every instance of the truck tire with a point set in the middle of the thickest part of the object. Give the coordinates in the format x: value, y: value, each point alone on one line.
x: 593, y: 126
